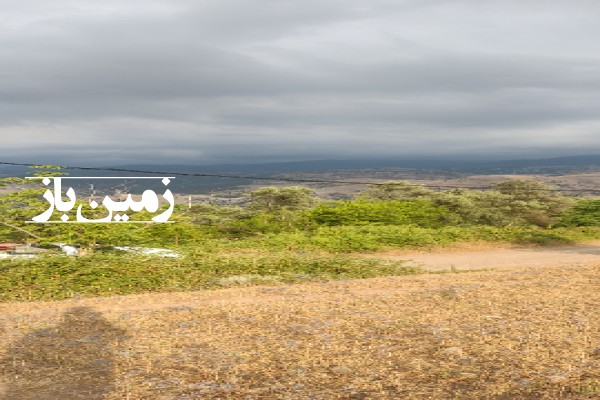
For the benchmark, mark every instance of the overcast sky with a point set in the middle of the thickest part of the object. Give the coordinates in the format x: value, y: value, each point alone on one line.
x: 211, y: 81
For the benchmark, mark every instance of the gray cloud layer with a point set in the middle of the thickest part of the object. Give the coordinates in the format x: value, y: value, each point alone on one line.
x: 258, y: 80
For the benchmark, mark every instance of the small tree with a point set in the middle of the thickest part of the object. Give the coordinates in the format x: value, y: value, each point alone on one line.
x: 23, y: 202
x: 535, y: 202
x: 477, y: 207
x: 272, y: 199
x: 275, y: 209
x: 398, y: 190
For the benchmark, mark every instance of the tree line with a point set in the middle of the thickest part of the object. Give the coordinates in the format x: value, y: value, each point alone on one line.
x: 273, y: 210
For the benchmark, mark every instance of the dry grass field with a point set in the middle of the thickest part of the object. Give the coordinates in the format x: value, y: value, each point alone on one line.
x: 513, y: 334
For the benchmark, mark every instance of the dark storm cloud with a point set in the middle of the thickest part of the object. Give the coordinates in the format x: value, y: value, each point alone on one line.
x: 230, y: 81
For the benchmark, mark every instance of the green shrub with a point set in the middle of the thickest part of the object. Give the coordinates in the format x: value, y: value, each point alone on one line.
x: 115, y: 273
x: 583, y: 213
x: 383, y: 212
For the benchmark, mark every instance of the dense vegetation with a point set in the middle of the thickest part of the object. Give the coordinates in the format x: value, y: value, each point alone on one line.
x: 280, y: 235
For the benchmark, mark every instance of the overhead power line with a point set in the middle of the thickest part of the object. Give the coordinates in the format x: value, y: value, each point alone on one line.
x: 282, y: 179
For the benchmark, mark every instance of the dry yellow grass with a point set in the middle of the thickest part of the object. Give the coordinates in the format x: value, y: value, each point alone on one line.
x: 518, y: 334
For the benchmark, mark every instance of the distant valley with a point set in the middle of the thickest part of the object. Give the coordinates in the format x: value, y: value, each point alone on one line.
x: 575, y: 172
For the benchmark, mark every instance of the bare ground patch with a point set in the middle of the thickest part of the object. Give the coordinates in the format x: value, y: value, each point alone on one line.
x: 476, y: 256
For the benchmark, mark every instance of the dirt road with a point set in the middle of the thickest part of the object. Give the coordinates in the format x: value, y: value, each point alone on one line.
x: 493, y: 258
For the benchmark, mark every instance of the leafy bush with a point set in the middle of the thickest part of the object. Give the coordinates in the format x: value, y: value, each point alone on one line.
x: 389, y: 212
x: 584, y: 213
x: 59, y: 277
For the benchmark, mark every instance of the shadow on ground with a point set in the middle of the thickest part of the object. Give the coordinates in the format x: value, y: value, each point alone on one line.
x: 72, y: 360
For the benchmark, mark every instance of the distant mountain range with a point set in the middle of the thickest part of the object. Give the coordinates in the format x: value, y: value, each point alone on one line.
x: 429, y: 164
x: 183, y: 184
